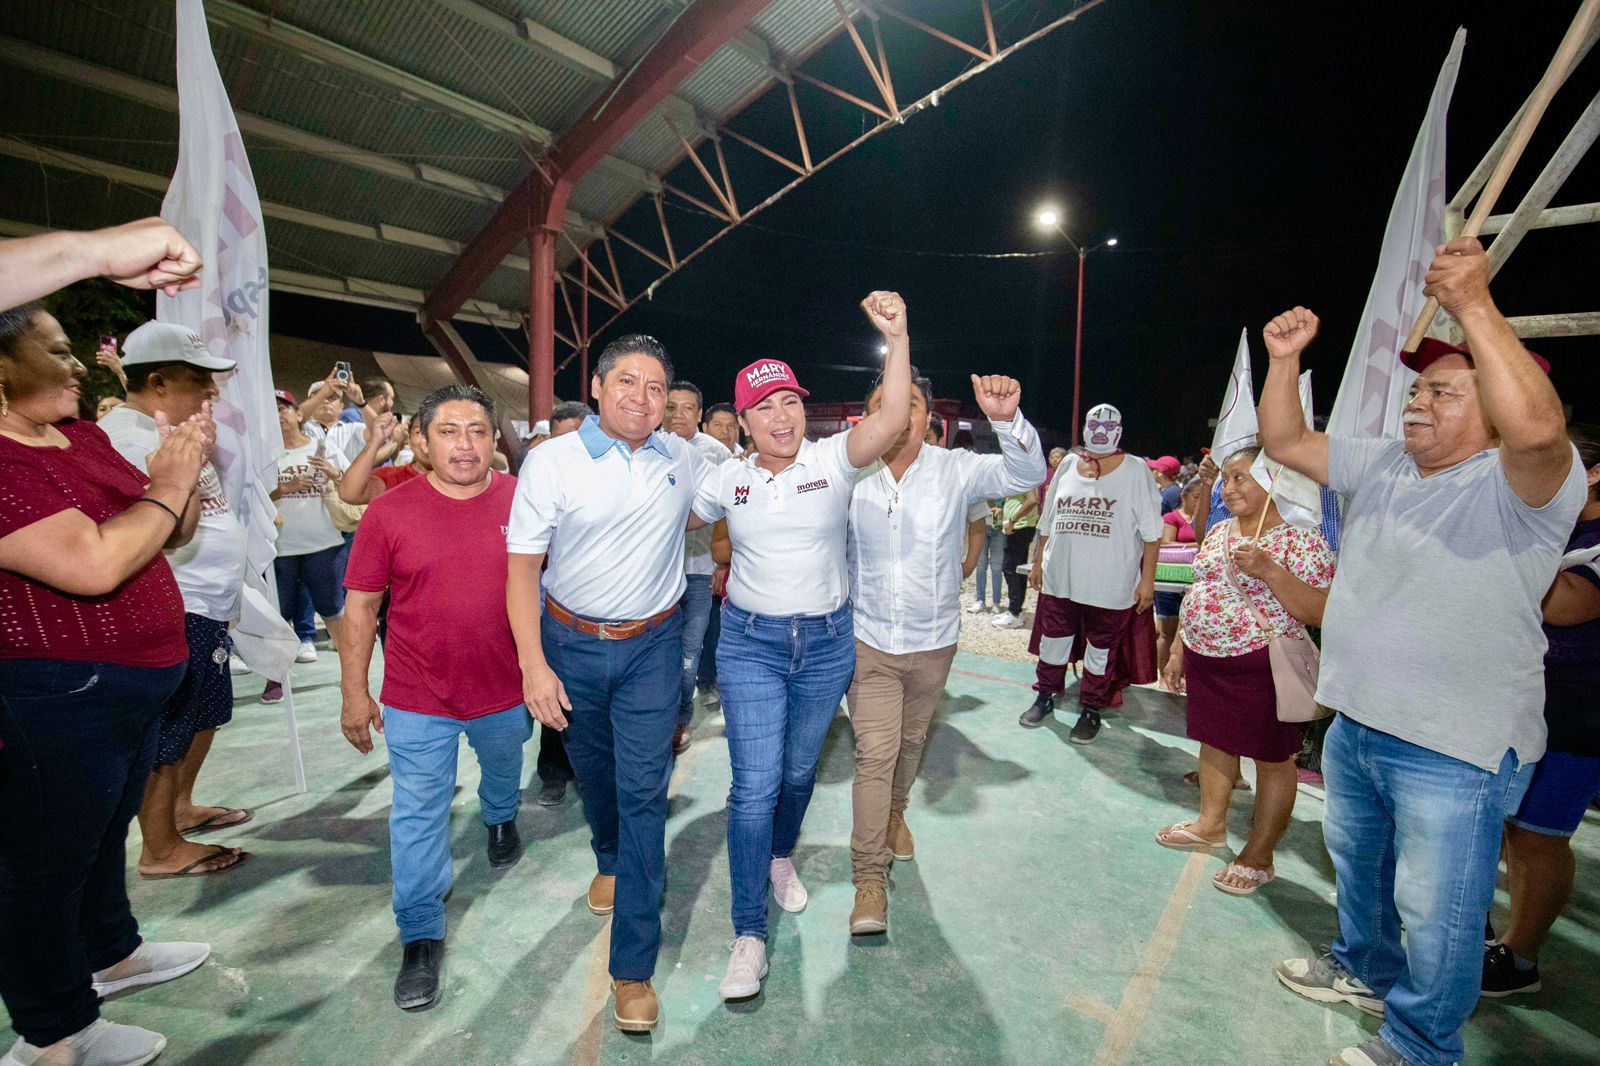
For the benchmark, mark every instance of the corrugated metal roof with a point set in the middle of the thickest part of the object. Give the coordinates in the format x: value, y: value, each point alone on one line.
x: 444, y: 155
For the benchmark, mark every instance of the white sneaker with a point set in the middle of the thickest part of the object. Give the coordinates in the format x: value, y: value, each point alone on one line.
x: 101, y: 1044
x: 152, y: 963
x: 746, y: 967
x: 308, y: 652
x: 786, y: 887
x: 1007, y: 621
x: 237, y: 665
x: 977, y: 607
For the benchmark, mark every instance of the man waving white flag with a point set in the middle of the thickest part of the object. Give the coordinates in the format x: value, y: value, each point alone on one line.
x: 212, y: 201
x: 1374, y: 385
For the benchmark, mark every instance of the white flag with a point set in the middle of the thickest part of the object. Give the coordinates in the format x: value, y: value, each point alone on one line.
x: 212, y: 200
x: 1374, y: 386
x: 1236, y: 422
x: 1299, y: 499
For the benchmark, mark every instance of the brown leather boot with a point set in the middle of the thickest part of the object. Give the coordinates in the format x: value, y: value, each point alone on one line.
x: 637, y: 1009
x: 901, y: 843
x: 871, y: 913
x: 603, y: 894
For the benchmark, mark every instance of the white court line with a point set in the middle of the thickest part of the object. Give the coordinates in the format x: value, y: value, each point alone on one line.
x: 1136, y: 998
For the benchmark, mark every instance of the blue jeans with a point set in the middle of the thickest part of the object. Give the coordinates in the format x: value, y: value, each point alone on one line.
x: 991, y: 564
x: 696, y: 604
x: 624, y: 696
x: 320, y: 573
x: 1414, y: 837
x: 79, y: 741
x: 708, y: 663
x: 422, y: 764
x: 782, y: 680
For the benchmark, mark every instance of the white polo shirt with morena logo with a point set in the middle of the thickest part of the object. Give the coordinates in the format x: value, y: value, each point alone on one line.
x: 788, y: 529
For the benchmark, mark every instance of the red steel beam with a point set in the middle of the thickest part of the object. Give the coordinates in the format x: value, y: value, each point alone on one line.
x: 702, y: 29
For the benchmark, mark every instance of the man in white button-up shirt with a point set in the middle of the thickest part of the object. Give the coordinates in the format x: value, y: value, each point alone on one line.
x: 908, y: 522
x: 609, y: 505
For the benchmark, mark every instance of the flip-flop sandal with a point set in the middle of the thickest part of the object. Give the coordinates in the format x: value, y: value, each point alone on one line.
x: 190, y: 871
x: 219, y: 821
x: 1193, y: 778
x: 1256, y: 877
x: 1186, y: 839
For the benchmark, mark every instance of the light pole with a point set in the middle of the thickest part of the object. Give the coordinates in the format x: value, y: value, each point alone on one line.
x: 1049, y: 218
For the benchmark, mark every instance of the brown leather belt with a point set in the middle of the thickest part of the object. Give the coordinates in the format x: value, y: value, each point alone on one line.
x: 607, y: 630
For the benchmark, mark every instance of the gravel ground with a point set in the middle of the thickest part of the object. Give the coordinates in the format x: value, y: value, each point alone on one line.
x: 977, y: 635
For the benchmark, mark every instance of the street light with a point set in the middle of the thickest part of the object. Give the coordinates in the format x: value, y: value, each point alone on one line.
x: 1049, y: 218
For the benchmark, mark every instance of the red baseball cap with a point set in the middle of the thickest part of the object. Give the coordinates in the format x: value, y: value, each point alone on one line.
x: 1430, y: 351
x: 285, y: 396
x: 761, y: 379
x: 1166, y: 464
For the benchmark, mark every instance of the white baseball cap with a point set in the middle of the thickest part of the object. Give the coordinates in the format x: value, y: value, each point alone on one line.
x: 166, y: 342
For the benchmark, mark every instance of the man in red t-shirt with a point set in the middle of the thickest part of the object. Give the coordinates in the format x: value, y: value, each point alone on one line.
x: 437, y: 545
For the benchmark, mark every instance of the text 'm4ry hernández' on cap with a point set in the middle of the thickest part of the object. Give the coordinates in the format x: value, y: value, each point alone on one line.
x: 1430, y: 351
x: 167, y: 342
x: 761, y: 379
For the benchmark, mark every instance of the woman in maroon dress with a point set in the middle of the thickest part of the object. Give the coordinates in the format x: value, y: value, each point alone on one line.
x: 1220, y: 658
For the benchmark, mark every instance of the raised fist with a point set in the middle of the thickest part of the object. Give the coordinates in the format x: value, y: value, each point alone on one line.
x: 1290, y: 333
x: 382, y: 428
x: 997, y: 396
x: 887, y: 311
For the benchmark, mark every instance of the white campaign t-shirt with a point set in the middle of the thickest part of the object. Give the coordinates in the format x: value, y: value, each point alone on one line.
x: 788, y: 529
x: 697, y: 543
x: 210, y: 568
x: 1098, y: 529
x: 307, y: 527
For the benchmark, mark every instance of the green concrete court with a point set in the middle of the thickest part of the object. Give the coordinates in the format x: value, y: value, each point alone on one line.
x: 1039, y: 924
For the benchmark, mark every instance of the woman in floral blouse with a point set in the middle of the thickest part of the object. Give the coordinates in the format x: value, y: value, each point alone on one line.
x: 1220, y: 658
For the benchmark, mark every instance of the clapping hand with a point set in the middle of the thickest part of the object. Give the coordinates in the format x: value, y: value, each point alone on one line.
x: 887, y: 312
x: 178, y: 457
x: 997, y: 396
x: 1289, y: 333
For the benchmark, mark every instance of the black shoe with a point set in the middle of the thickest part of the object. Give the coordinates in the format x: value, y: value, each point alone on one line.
x: 1087, y: 729
x: 551, y: 793
x: 1488, y: 932
x: 417, y: 987
x: 505, y: 845
x: 1501, y: 977
x: 1034, y: 716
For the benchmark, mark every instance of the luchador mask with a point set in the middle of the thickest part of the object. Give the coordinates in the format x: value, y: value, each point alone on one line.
x: 1102, y: 430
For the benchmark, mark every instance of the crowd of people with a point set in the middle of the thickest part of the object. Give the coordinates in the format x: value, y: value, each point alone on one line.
x: 652, y: 547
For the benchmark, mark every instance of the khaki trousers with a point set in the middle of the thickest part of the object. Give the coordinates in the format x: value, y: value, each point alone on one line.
x: 892, y: 700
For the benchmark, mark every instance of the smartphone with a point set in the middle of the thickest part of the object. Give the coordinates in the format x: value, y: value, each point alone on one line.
x: 108, y: 340
x: 341, y: 371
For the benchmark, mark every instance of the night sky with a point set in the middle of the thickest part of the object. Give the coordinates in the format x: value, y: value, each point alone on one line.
x: 1245, y: 155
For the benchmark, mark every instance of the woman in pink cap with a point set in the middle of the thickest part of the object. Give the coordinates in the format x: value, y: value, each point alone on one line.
x: 788, y: 646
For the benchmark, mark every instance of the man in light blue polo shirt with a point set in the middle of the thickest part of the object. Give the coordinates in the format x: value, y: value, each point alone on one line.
x: 602, y: 660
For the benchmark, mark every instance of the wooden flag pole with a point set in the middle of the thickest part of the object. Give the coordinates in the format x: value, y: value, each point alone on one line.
x: 1271, y: 481
x: 1560, y: 66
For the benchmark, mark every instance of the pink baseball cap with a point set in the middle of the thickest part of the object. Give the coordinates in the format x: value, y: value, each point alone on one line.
x: 761, y: 379
x: 1166, y: 464
x: 1430, y: 351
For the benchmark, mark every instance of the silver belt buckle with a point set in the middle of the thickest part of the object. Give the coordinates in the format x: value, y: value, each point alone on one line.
x: 605, y: 632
